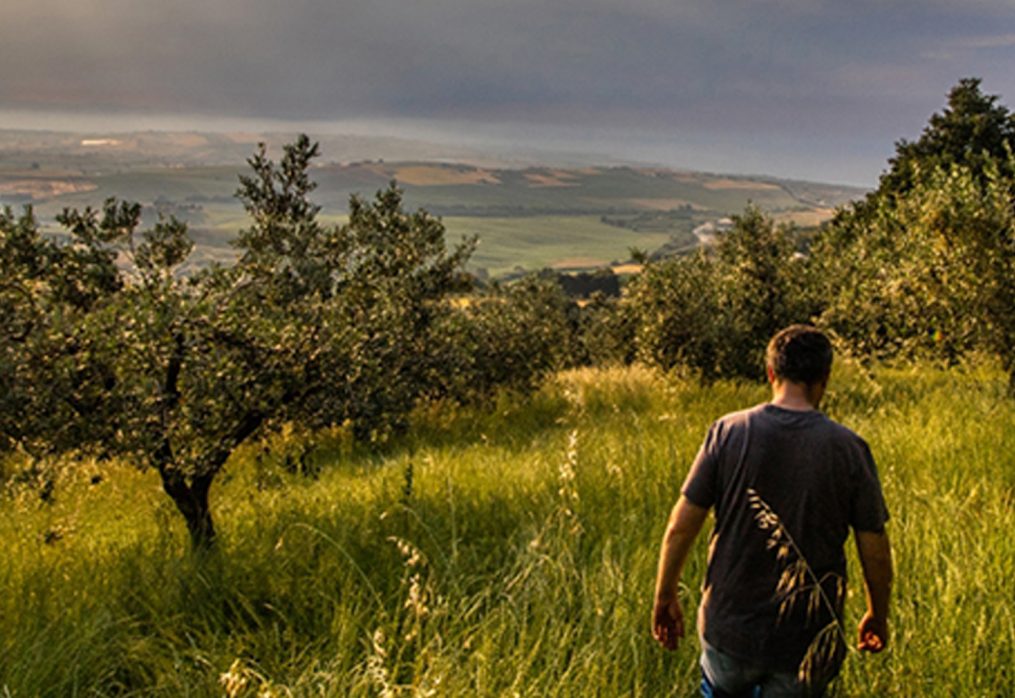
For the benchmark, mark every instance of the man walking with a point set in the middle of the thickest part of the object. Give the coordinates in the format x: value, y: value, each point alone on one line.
x: 787, y: 484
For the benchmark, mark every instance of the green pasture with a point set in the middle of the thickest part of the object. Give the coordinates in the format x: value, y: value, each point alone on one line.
x: 534, y: 242
x: 505, y: 244
x: 501, y: 551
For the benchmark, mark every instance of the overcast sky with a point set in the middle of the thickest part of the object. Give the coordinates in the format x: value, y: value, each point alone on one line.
x: 803, y: 88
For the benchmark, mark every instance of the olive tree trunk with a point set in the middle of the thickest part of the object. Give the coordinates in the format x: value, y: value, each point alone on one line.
x: 191, y: 500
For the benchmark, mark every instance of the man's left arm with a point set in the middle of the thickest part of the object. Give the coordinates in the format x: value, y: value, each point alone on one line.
x: 876, y: 559
x: 667, y: 617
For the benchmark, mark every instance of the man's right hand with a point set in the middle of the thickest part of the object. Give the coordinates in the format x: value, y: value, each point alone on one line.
x: 667, y: 618
x: 872, y: 633
x: 667, y: 622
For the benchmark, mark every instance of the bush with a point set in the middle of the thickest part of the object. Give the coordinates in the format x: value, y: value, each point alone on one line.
x: 512, y: 336
x: 715, y: 310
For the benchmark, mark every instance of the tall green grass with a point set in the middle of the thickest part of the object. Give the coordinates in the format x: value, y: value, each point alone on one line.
x: 494, y: 553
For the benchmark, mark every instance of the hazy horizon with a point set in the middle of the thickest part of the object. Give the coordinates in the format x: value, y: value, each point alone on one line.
x: 791, y: 88
x: 526, y: 143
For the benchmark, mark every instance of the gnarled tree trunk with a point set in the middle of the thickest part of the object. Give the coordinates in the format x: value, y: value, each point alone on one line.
x: 190, y: 495
x: 191, y: 500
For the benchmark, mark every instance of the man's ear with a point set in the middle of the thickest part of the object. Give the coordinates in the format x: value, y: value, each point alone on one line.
x: 770, y: 372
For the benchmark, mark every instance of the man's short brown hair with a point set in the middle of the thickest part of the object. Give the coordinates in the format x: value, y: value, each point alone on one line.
x: 800, y: 354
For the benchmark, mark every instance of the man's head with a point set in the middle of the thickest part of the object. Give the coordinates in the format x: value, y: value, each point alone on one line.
x: 799, y: 354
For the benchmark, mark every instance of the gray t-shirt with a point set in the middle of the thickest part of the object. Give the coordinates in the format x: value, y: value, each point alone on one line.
x: 820, y: 480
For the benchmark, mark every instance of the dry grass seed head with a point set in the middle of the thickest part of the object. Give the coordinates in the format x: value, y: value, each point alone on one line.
x: 821, y: 655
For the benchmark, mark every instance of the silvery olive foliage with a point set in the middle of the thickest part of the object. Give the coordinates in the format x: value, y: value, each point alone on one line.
x: 509, y: 336
x: 932, y: 273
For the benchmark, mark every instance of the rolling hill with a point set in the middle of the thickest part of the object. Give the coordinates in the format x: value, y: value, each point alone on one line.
x: 528, y: 215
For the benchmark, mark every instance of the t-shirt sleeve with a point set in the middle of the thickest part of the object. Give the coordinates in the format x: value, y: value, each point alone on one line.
x: 701, y: 484
x: 867, y: 510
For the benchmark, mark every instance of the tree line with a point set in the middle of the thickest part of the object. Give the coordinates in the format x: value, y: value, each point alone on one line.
x: 922, y: 267
x: 108, y: 350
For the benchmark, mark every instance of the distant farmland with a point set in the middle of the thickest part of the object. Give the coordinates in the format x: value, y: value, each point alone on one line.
x: 527, y: 217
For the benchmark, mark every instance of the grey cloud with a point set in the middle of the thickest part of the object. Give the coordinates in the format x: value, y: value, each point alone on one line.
x: 763, y: 69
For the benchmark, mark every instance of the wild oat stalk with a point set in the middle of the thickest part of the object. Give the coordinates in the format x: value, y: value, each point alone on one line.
x: 238, y: 679
x: 798, y: 578
x: 376, y: 668
x: 421, y: 604
x: 567, y: 476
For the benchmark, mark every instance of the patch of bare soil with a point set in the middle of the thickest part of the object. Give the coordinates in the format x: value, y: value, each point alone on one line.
x: 740, y: 184
x: 40, y: 189
x: 552, y: 178
x: 431, y: 176
x: 580, y: 263
x: 805, y: 218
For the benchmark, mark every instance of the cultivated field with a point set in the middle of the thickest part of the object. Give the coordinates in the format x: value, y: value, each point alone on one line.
x: 508, y: 551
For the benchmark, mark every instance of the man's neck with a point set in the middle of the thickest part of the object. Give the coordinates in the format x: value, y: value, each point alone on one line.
x: 793, y: 396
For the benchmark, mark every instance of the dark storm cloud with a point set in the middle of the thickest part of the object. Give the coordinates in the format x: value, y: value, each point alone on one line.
x: 766, y: 68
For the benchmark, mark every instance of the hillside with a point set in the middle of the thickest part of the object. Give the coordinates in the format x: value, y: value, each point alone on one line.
x: 528, y: 215
x: 494, y: 552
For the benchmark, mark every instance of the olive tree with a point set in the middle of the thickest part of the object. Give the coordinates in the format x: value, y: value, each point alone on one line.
x: 313, y: 324
x: 924, y: 264
x: 55, y: 376
x: 511, y: 336
x: 932, y: 274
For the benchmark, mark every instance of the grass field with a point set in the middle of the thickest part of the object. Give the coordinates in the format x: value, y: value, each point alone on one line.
x: 534, y: 242
x: 509, y: 551
x: 505, y: 244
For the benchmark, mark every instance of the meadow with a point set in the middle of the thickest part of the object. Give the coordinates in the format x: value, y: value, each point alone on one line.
x: 502, y: 551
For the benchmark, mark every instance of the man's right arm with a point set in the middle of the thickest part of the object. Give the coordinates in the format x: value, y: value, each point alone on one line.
x: 685, y: 522
x: 876, y: 559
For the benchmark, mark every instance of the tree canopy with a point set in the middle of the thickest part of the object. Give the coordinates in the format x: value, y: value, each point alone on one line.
x: 925, y: 265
